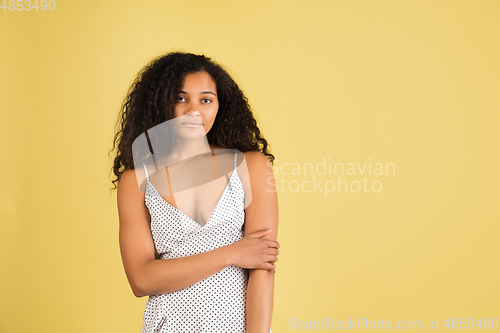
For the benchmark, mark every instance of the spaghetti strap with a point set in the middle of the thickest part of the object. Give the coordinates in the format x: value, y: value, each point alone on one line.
x: 146, y: 171
x: 235, y: 158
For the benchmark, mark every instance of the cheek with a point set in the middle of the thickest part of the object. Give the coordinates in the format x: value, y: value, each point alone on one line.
x: 216, y: 109
x: 177, y: 111
x: 214, y: 115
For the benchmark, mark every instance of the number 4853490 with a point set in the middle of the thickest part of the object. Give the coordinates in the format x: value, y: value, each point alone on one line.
x: 26, y: 5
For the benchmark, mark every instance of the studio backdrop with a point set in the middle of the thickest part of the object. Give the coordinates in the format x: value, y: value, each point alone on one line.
x: 383, y: 117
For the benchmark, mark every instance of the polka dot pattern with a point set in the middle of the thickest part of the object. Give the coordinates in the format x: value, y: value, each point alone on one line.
x: 217, y: 303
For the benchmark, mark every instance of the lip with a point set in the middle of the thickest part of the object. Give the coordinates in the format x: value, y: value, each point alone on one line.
x: 192, y: 124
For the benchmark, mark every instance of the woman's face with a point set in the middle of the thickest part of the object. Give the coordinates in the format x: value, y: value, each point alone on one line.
x: 197, y: 103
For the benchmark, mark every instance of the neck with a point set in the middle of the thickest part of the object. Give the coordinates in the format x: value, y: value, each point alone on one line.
x: 189, y: 148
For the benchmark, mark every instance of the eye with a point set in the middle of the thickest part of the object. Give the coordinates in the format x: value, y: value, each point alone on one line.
x: 206, y: 99
x: 180, y: 98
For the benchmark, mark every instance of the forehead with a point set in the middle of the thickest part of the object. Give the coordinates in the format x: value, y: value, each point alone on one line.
x: 198, y: 80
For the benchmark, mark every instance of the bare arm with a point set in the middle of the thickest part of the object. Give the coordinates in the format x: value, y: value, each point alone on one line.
x: 146, y: 275
x: 262, y: 213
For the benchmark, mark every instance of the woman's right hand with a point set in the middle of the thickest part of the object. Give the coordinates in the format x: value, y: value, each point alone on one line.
x: 254, y: 252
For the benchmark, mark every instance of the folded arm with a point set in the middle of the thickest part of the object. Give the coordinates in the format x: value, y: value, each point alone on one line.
x: 146, y: 275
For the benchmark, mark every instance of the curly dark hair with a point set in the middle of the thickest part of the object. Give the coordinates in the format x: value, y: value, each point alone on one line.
x: 151, y: 99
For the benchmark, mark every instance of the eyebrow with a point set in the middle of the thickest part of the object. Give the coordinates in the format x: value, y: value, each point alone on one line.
x: 201, y: 93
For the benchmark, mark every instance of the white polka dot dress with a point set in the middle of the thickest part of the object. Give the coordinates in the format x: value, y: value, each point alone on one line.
x: 217, y: 303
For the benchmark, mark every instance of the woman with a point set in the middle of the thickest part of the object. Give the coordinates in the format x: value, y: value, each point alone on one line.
x: 203, y: 272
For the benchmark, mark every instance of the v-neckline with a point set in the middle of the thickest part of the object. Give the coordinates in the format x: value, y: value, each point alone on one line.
x: 190, y: 219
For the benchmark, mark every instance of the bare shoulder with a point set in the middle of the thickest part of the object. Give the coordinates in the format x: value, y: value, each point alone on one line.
x: 129, y: 195
x: 257, y: 162
x: 260, y: 170
x: 128, y: 182
x: 127, y: 175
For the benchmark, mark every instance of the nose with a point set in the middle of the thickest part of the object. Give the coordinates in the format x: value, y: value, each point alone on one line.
x: 192, y: 114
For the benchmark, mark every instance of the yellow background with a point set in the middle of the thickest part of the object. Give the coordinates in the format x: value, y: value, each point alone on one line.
x: 414, y: 83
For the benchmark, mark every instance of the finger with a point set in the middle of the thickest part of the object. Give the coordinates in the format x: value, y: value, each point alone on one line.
x: 268, y: 266
x: 272, y: 243
x: 270, y: 258
x: 272, y: 251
